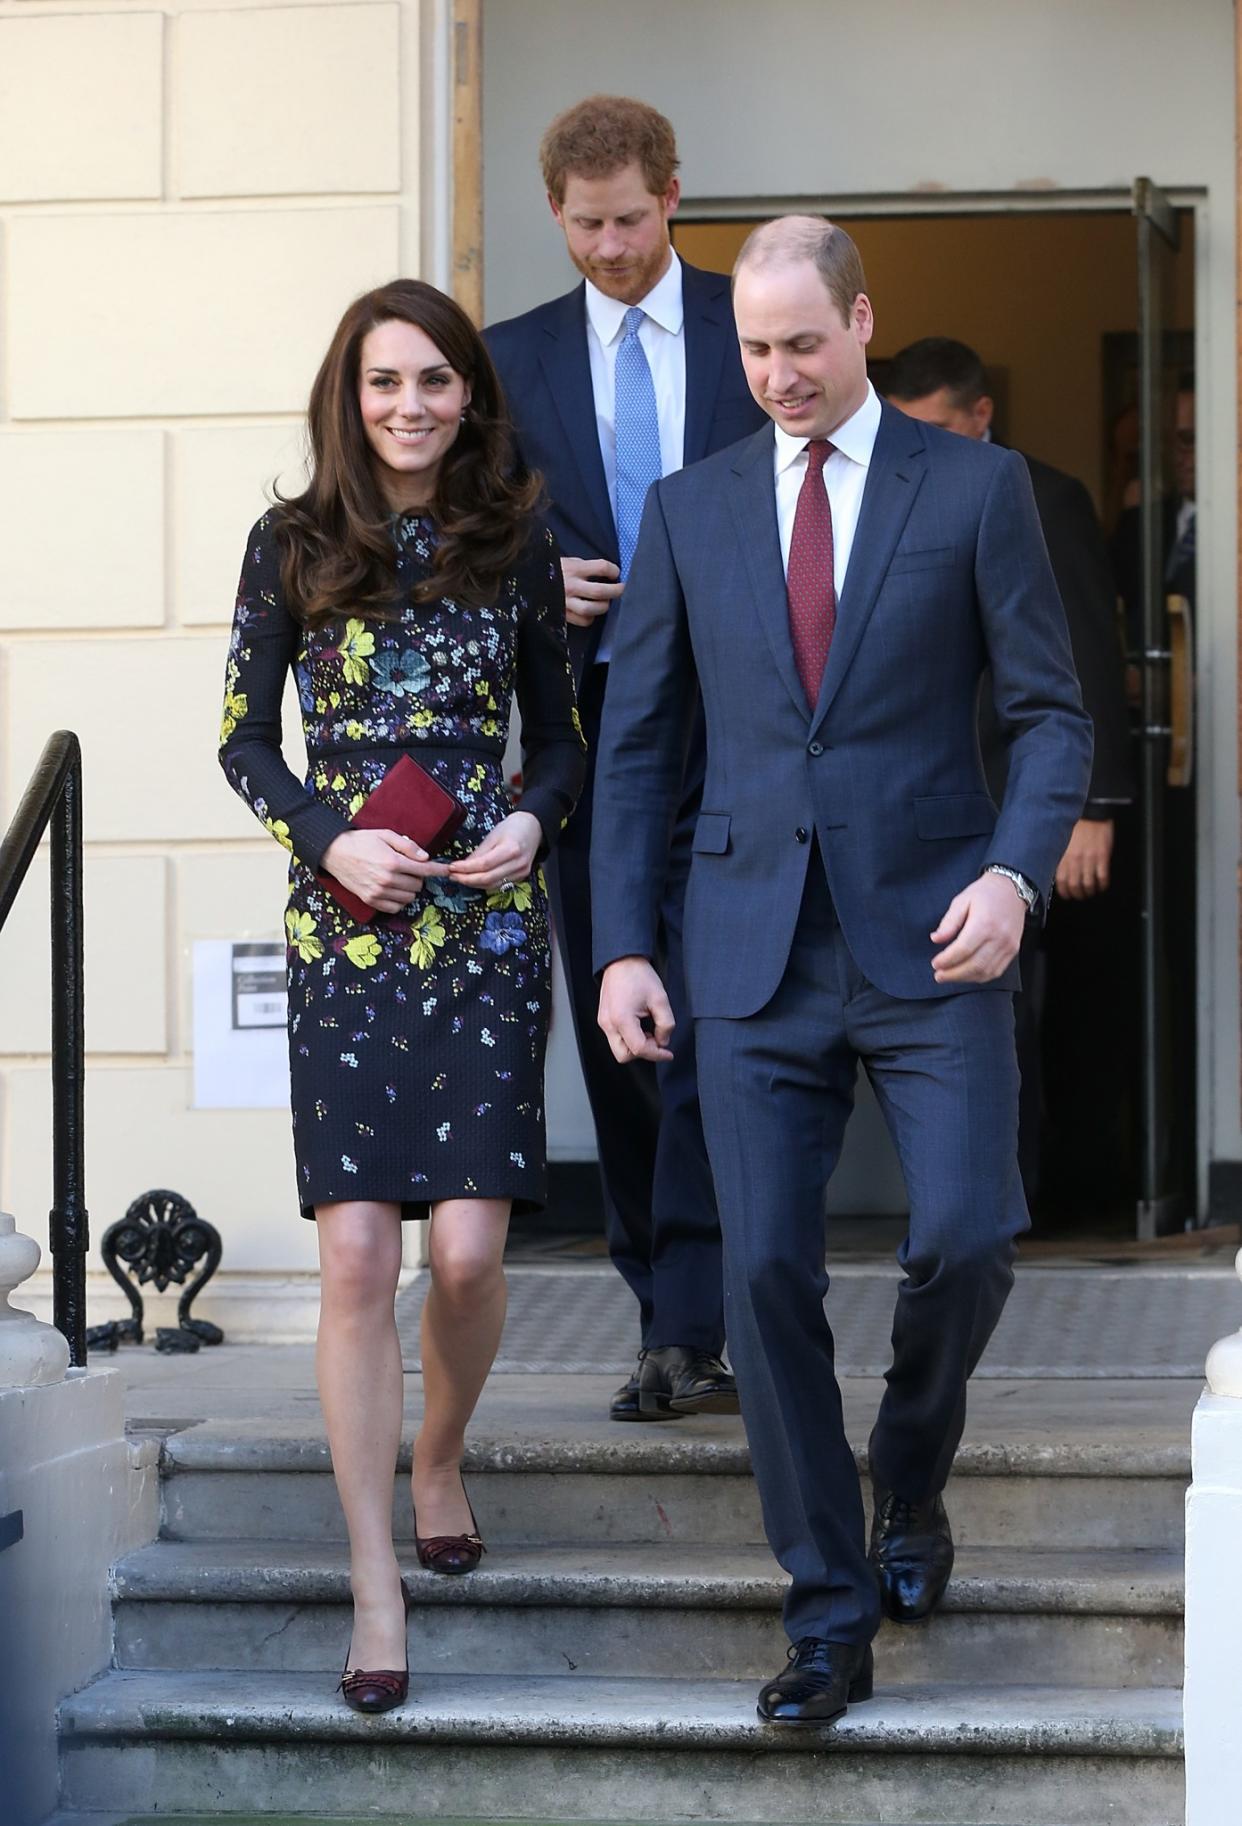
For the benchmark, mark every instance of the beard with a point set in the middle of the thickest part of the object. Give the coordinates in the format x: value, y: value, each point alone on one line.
x: 629, y: 286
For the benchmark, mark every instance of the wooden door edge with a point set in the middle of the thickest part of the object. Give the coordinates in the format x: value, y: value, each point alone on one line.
x: 467, y: 153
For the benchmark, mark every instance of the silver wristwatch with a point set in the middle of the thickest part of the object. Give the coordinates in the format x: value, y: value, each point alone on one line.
x: 1026, y: 890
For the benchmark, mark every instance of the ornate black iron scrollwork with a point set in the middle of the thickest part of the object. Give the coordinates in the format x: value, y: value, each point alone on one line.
x: 160, y: 1241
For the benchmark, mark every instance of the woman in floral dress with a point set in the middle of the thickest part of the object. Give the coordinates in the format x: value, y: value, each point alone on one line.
x: 411, y: 588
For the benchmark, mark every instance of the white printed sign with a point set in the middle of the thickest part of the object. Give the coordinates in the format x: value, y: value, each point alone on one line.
x: 241, y: 1054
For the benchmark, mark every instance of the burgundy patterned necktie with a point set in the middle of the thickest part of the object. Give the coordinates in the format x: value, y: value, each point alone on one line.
x: 809, y: 579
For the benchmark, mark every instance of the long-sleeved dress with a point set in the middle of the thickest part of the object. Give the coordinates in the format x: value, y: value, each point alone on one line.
x: 416, y: 1041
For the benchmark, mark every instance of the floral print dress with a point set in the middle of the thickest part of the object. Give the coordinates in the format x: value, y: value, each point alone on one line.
x: 416, y: 1041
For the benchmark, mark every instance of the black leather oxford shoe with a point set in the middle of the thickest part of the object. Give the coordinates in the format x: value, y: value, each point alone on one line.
x: 912, y: 1553
x: 821, y: 1680
x: 624, y: 1404
x: 675, y: 1380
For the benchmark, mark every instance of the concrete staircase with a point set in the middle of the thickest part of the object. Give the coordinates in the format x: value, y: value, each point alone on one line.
x: 603, y: 1662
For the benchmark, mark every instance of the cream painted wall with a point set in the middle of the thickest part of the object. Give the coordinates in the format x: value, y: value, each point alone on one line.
x: 909, y: 105
x: 190, y: 193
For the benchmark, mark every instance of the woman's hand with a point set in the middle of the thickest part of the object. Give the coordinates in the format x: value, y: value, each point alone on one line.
x: 506, y: 854
x: 381, y: 867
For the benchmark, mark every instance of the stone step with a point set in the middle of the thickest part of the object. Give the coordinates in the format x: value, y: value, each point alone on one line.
x: 571, y: 1748
x: 224, y: 1480
x: 1108, y: 1618
x: 404, y: 1818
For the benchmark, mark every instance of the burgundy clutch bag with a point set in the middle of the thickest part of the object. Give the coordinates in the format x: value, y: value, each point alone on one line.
x: 408, y: 801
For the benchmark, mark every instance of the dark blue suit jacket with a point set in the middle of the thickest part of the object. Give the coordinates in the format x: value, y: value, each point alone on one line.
x: 948, y: 573
x: 545, y: 370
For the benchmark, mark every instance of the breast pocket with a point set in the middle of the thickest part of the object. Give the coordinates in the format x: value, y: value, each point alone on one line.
x: 954, y: 815
x: 711, y: 834
x: 922, y: 558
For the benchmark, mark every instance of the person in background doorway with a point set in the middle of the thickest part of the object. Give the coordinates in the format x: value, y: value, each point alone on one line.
x: 410, y: 589
x: 836, y: 584
x: 611, y: 386
x: 1179, y: 516
x: 943, y: 382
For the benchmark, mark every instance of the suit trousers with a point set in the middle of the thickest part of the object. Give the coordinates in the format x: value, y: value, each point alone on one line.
x: 659, y: 1205
x: 777, y: 1090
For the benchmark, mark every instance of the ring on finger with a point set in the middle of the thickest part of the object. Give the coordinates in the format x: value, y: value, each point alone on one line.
x: 506, y: 886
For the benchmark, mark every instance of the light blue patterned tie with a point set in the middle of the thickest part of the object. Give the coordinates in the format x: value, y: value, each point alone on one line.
x: 638, y: 436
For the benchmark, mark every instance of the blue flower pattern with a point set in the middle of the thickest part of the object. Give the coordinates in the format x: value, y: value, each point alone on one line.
x: 502, y: 932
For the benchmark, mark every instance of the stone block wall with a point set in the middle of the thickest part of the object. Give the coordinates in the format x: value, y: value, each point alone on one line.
x: 190, y: 193
x: 84, y: 1495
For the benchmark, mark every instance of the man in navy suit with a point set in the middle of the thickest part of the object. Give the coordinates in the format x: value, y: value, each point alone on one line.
x: 611, y: 386
x: 835, y: 586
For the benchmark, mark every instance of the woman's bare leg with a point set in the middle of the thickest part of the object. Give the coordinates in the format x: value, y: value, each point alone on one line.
x: 463, y: 1316
x: 358, y: 1361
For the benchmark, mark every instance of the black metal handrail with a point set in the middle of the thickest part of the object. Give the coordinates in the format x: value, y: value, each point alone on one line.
x: 54, y: 795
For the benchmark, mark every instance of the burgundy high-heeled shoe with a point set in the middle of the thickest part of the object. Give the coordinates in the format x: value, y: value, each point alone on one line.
x: 377, y: 1689
x: 452, y: 1554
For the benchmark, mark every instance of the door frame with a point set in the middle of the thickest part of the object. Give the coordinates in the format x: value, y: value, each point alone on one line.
x: 1194, y: 198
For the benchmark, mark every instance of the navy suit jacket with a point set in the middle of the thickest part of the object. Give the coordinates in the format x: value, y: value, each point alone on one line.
x: 948, y: 574
x: 545, y: 370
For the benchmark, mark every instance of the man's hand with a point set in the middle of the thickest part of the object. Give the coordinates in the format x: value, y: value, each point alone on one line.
x: 631, y: 992
x: 591, y: 587
x: 1084, y: 868
x: 981, y: 931
x: 381, y: 867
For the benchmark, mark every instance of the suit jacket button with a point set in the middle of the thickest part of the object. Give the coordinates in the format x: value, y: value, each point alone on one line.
x: 801, y: 833
x: 815, y: 748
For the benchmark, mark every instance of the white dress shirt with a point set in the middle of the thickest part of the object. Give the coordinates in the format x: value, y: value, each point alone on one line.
x: 845, y: 477
x: 661, y: 334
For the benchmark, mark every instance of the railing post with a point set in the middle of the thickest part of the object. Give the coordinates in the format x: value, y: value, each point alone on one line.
x: 1214, y: 1592
x: 32, y: 1354
x: 68, y: 1217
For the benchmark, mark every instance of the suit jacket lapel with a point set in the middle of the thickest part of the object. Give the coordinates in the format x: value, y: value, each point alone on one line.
x: 708, y: 329
x: 566, y: 367
x: 898, y: 465
x: 755, y: 508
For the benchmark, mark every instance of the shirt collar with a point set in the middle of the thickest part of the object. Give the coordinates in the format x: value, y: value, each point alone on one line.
x: 855, y: 438
x: 663, y: 304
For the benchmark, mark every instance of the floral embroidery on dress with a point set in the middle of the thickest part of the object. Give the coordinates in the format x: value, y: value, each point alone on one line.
x: 426, y: 937
x: 403, y: 674
x: 363, y: 950
x: 302, y: 939
x: 518, y: 897
x: 449, y: 998
x: 358, y: 643
x: 502, y: 932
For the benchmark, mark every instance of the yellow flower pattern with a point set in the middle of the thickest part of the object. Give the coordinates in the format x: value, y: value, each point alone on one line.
x: 518, y: 897
x: 301, y: 929
x: 426, y: 937
x: 355, y: 650
x: 236, y: 704
x: 364, y: 950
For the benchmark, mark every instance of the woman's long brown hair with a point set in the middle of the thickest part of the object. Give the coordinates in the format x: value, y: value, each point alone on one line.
x: 338, y: 553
